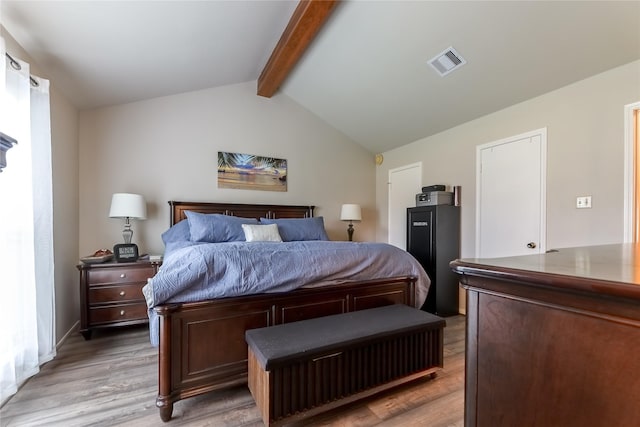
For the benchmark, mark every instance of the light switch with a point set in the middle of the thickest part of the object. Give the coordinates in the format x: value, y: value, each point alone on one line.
x: 583, y: 202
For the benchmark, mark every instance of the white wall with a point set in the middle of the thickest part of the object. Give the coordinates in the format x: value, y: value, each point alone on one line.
x: 166, y: 149
x: 585, y: 156
x: 64, y: 159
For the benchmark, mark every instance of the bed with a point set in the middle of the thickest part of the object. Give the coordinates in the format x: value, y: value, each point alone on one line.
x: 201, y: 342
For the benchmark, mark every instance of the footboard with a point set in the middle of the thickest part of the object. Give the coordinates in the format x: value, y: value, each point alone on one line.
x: 202, y: 344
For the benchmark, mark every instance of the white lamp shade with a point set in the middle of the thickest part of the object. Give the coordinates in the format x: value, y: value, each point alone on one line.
x: 350, y: 212
x: 126, y: 205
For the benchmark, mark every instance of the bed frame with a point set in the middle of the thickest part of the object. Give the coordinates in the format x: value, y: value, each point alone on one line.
x: 202, y: 346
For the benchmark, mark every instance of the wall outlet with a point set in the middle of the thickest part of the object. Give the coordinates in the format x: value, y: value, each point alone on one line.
x: 583, y: 202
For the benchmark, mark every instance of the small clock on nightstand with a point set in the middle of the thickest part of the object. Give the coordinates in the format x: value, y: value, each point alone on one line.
x: 126, y: 252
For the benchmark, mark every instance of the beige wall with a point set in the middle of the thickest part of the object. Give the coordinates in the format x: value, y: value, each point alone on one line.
x: 64, y: 159
x: 166, y: 149
x: 585, y: 156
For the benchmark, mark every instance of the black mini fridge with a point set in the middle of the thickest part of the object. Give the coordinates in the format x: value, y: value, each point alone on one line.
x: 433, y: 238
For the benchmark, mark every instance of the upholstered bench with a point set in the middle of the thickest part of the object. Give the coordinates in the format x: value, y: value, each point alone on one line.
x: 300, y: 369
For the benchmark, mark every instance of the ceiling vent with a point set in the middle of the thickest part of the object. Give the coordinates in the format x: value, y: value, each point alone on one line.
x: 447, y: 61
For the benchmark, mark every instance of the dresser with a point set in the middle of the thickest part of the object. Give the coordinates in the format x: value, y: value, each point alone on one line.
x: 111, y: 294
x: 553, y: 339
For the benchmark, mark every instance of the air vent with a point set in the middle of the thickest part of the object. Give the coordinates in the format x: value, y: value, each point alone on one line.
x: 447, y: 61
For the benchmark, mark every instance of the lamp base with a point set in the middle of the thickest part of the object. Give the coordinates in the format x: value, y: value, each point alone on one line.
x: 350, y: 232
x: 127, y: 233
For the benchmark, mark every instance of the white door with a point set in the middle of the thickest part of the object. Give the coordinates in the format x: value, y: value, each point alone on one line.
x: 631, y: 171
x: 404, y: 183
x: 511, y: 196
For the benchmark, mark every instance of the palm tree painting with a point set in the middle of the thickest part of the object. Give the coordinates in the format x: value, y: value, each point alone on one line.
x: 251, y: 172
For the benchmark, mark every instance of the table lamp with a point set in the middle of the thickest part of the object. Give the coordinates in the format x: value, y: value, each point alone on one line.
x: 127, y: 206
x: 350, y: 212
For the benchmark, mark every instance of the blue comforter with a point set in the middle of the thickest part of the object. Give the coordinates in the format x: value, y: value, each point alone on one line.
x: 201, y: 271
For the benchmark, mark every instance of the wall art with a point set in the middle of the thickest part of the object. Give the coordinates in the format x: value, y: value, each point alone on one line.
x: 251, y: 172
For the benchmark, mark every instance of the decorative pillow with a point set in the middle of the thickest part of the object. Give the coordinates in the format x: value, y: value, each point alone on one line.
x: 261, y: 233
x: 216, y: 228
x: 296, y: 229
x: 177, y: 233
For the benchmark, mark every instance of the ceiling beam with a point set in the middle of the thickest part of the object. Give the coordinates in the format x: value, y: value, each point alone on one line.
x: 306, y: 21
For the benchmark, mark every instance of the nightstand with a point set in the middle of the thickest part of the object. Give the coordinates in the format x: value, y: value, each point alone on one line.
x: 111, y: 294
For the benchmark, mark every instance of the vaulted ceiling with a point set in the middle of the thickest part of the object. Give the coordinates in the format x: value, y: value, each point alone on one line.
x: 366, y: 72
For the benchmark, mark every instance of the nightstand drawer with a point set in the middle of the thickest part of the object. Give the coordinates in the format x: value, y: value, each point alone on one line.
x: 120, y: 275
x: 111, y: 294
x: 118, y: 313
x: 121, y: 293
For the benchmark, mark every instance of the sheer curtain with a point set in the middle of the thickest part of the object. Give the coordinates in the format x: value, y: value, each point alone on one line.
x: 27, y: 334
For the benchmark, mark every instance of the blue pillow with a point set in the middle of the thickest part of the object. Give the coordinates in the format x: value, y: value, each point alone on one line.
x: 217, y: 228
x: 297, y: 229
x: 177, y: 233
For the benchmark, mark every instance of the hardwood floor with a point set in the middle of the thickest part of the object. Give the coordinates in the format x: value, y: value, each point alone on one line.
x: 111, y: 380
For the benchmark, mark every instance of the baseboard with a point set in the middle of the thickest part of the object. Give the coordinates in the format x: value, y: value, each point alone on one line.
x: 462, y: 310
x: 52, y: 355
x: 75, y: 327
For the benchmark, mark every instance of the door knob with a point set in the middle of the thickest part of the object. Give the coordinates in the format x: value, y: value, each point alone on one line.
x: 531, y: 245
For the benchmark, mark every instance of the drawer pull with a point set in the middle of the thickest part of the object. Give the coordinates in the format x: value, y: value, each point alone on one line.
x: 122, y: 293
x: 121, y: 312
x: 123, y: 275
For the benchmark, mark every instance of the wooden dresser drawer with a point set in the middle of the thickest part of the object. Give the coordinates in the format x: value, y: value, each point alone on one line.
x: 111, y: 294
x: 121, y: 275
x: 118, y: 313
x: 116, y: 293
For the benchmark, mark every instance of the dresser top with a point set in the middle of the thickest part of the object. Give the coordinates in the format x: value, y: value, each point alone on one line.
x: 114, y: 264
x: 612, y: 270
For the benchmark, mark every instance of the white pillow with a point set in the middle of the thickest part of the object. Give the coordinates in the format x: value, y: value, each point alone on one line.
x: 261, y: 233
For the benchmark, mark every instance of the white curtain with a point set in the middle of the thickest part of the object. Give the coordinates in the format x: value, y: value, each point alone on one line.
x: 27, y: 334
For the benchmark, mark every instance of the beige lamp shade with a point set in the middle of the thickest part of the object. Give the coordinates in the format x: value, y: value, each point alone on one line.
x: 127, y: 205
x: 350, y: 212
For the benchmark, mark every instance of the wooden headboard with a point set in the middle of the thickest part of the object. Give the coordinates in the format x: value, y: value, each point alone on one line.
x: 239, y: 209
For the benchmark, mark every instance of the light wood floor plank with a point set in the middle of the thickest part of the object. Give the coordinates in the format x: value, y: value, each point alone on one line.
x: 111, y: 380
